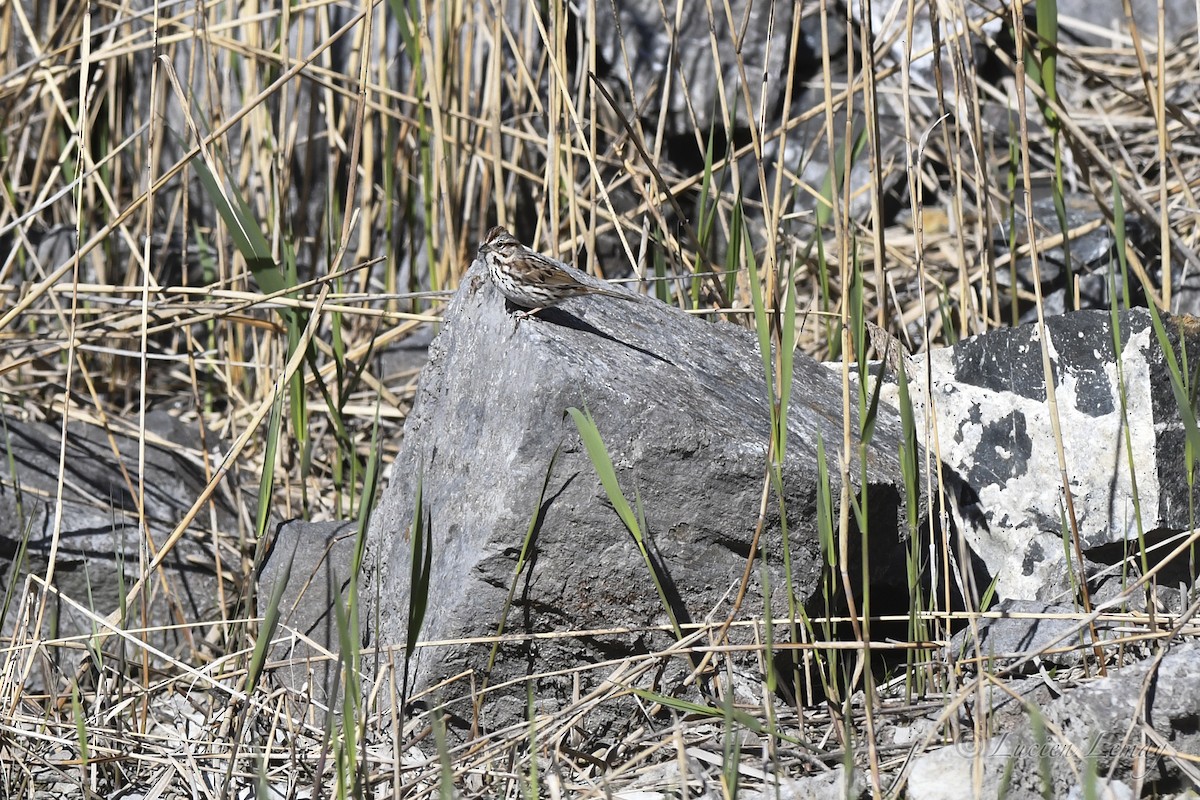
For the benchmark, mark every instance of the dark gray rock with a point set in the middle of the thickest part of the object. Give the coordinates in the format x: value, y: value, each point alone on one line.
x: 1085, y: 261
x: 681, y: 406
x: 640, y: 47
x: 1088, y: 723
x: 100, y: 546
x: 407, y: 356
x: 697, y: 70
x: 313, y: 560
x: 989, y: 399
x: 1027, y: 627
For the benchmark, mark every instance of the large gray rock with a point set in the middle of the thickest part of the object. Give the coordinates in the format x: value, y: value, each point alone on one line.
x: 988, y: 397
x: 682, y: 408
x: 1090, y: 22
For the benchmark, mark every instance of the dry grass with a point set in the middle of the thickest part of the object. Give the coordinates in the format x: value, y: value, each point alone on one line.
x: 372, y: 155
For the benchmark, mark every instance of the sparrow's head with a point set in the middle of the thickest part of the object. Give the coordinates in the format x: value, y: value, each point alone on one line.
x: 498, y: 238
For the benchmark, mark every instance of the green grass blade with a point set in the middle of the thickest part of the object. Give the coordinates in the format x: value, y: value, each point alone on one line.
x: 1119, y: 240
x: 266, y: 482
x: 445, y: 768
x: 248, y: 237
x: 270, y: 624
x: 81, y: 733
x: 422, y: 559
x: 742, y: 718
x: 598, y: 454
x: 787, y: 359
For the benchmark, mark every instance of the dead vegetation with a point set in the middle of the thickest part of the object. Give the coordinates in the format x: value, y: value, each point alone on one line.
x: 212, y: 213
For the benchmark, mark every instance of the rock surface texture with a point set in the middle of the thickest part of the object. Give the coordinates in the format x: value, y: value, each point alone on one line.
x: 100, y: 544
x: 988, y: 396
x: 682, y: 408
x: 1139, y: 725
x: 313, y: 562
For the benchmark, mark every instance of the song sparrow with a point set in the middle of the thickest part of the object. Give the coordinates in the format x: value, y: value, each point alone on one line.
x: 531, y: 280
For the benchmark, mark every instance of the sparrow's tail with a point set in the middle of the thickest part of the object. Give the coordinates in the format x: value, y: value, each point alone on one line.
x: 616, y: 294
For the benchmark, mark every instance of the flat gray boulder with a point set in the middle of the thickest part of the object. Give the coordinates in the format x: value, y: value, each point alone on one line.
x: 101, y: 545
